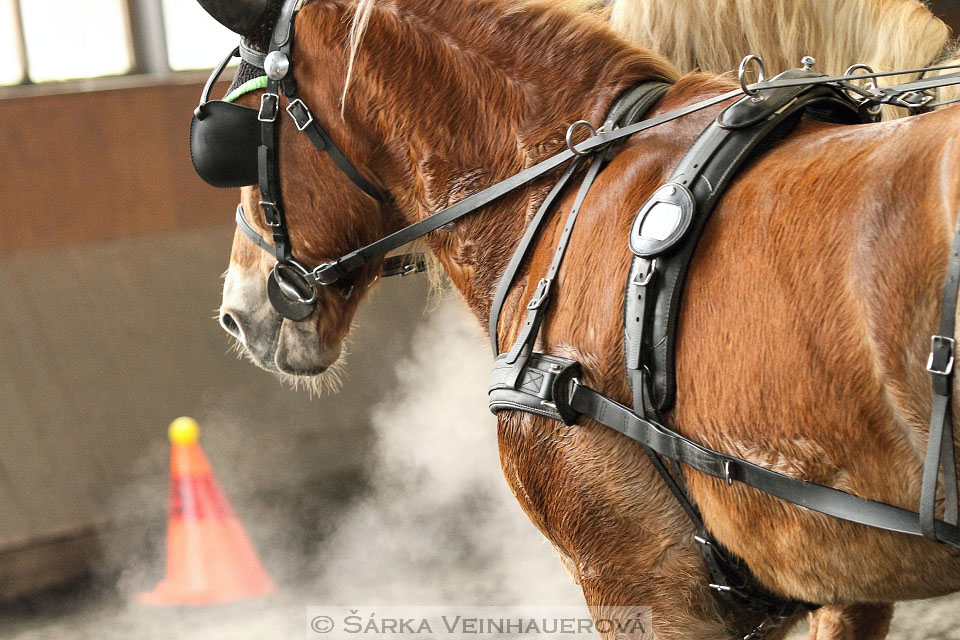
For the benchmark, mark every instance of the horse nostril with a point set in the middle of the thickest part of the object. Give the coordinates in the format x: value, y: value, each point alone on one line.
x: 231, y: 326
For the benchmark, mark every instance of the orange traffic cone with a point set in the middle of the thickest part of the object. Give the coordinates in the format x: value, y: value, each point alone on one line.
x: 209, y: 557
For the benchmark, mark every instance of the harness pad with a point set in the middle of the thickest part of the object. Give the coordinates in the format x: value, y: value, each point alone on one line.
x: 668, y: 227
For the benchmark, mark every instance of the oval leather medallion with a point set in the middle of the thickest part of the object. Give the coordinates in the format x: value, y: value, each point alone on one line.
x: 662, y: 221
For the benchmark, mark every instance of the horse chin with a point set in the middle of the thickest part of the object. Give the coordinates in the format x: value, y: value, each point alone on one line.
x: 296, y: 358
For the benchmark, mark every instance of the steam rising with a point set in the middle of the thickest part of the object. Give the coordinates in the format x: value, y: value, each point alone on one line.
x: 440, y: 524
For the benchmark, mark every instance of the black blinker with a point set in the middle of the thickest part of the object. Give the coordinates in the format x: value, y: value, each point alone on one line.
x: 223, y: 144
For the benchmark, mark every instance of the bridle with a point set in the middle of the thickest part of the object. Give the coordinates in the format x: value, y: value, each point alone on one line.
x: 220, y: 126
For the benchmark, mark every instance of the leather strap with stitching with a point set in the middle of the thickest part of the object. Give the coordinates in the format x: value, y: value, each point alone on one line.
x: 827, y: 500
x: 940, y: 446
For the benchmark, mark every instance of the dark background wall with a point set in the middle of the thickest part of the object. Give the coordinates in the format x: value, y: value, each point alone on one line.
x: 949, y: 12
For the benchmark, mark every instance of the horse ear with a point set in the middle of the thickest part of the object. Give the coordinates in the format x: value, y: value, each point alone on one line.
x: 240, y: 16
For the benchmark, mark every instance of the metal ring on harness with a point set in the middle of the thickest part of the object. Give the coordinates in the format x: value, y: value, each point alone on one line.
x: 294, y: 288
x: 761, y: 76
x: 870, y: 85
x: 571, y: 129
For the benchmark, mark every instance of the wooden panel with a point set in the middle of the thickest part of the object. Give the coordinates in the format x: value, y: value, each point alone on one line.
x: 81, y: 167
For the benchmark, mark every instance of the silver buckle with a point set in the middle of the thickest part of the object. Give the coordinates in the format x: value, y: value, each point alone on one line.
x: 543, y: 288
x: 934, y: 343
x: 297, y: 105
x: 268, y: 107
x: 646, y: 277
x: 274, y: 213
x: 915, y: 99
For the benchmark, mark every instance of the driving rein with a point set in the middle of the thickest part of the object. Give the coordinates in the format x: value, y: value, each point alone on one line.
x: 662, y: 240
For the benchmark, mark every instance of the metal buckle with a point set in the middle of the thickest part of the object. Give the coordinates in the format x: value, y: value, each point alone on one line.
x: 642, y: 279
x: 271, y: 214
x: 409, y: 269
x: 935, y: 343
x: 269, y: 105
x: 911, y: 101
x: 300, y: 113
x: 543, y: 289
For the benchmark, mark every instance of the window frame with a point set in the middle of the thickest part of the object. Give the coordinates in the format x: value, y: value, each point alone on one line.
x: 150, y: 64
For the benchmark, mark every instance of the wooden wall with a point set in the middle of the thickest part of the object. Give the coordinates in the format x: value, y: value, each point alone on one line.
x: 99, y: 165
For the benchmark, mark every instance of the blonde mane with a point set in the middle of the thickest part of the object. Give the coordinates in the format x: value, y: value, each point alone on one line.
x: 714, y: 35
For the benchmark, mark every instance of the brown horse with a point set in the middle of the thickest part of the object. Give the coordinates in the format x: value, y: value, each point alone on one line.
x: 805, y: 326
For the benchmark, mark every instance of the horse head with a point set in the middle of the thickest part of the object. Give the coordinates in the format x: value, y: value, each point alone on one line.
x: 424, y: 122
x: 326, y: 213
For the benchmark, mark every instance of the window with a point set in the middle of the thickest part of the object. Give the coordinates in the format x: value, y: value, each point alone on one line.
x: 194, y: 39
x: 49, y: 40
x: 11, y: 58
x: 66, y: 39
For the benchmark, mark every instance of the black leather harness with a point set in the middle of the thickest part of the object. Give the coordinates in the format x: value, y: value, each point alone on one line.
x: 663, y: 239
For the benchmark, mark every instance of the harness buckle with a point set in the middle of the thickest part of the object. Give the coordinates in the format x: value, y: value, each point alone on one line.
x: 300, y: 113
x: 940, y: 361
x: 915, y: 99
x: 543, y: 290
x: 269, y: 106
x: 271, y: 214
x: 643, y: 277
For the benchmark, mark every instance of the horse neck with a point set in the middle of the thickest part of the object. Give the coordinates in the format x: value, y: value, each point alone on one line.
x: 478, y: 91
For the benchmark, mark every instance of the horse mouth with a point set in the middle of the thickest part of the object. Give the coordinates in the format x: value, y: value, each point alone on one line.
x: 291, y: 349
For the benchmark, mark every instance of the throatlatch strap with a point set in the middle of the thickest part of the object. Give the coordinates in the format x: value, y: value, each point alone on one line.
x: 940, y: 449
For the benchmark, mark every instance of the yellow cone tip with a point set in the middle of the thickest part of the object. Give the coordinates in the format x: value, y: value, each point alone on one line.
x: 184, y: 431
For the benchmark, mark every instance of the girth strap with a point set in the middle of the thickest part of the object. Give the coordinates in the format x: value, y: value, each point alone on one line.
x: 833, y: 502
x: 940, y: 447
